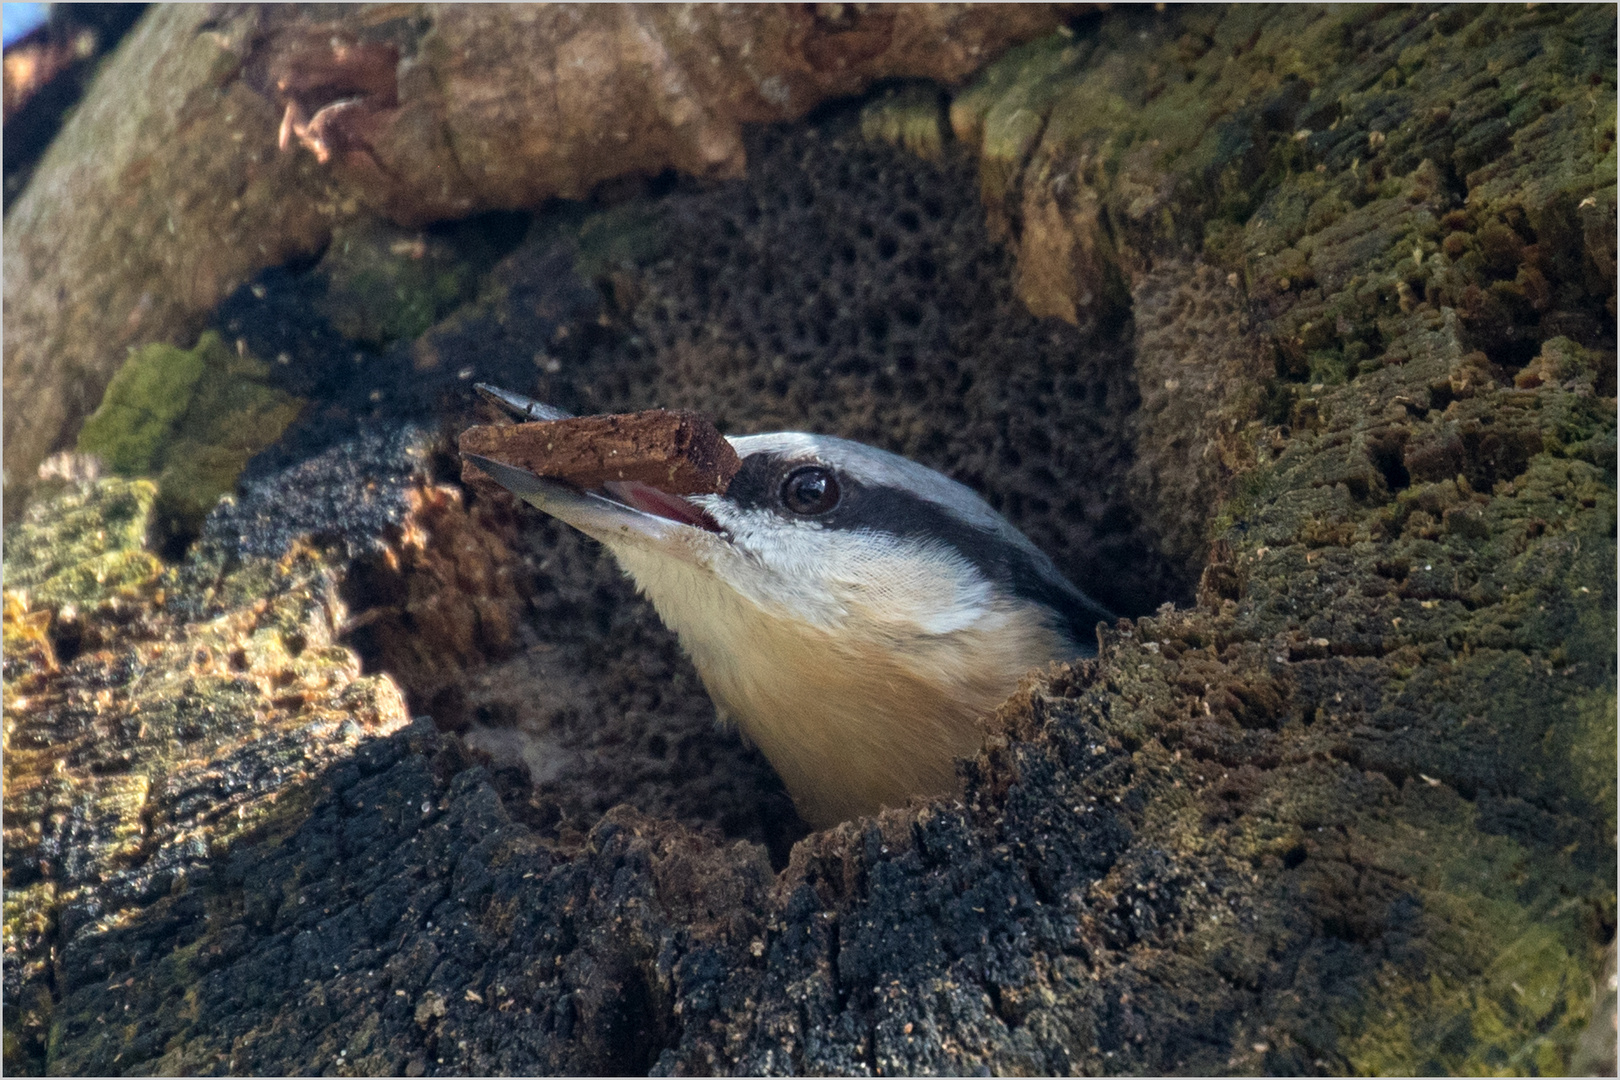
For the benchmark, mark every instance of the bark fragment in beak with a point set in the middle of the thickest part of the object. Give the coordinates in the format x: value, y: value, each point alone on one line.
x: 677, y: 453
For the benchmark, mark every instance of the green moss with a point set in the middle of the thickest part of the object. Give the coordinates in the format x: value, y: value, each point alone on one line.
x: 1223, y: 243
x: 1327, y: 366
x: 84, y: 546
x: 1276, y: 119
x: 908, y: 117
x: 1590, y: 738
x: 1006, y: 110
x: 233, y: 416
x: 386, y: 284
x: 191, y: 417
x: 1506, y: 992
x: 144, y: 402
x: 1028, y: 72
x: 1522, y: 612
x: 625, y: 235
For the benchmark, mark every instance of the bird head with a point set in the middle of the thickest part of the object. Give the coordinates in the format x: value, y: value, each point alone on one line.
x: 855, y: 613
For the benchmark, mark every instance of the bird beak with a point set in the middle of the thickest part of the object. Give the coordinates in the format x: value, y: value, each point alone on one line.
x: 633, y: 515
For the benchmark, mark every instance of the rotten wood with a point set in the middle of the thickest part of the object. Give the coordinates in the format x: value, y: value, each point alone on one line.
x: 680, y: 453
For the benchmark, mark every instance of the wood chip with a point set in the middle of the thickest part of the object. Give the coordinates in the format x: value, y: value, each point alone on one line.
x: 681, y: 453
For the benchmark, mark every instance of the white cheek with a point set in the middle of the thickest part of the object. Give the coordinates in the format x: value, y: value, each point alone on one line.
x: 831, y: 578
x: 787, y: 571
x: 912, y: 588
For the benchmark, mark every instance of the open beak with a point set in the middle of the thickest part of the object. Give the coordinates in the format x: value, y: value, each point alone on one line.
x: 621, y: 515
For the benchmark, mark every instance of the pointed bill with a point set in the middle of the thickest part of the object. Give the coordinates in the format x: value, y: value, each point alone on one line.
x: 613, y: 523
x: 520, y: 405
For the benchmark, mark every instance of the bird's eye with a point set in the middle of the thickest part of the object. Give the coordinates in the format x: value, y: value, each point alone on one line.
x: 810, y: 490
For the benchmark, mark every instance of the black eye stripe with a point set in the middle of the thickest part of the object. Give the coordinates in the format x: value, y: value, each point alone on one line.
x: 757, y: 484
x: 1019, y: 568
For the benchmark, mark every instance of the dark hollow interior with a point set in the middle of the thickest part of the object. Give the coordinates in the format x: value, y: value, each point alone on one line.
x: 843, y: 286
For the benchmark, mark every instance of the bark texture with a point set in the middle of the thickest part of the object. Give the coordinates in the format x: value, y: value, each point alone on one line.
x: 220, y: 140
x: 1342, y: 296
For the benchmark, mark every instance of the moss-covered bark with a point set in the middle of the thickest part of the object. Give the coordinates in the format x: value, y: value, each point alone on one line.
x: 214, y: 144
x: 153, y: 718
x: 192, y: 419
x: 1351, y: 811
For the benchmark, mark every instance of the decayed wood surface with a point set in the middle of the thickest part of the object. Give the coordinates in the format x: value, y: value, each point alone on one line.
x: 221, y: 140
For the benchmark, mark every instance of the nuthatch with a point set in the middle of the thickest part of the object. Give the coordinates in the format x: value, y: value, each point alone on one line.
x: 854, y: 613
